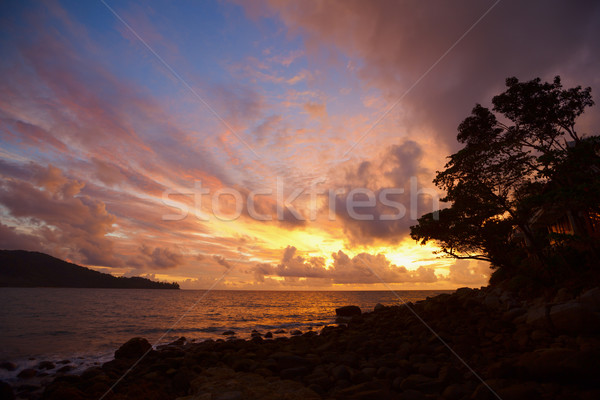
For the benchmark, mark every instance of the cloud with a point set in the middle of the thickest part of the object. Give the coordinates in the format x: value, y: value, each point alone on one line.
x: 395, y: 43
x: 12, y: 239
x: 469, y: 272
x: 54, y: 210
x: 160, y: 258
x: 315, y: 110
x: 363, y: 268
x: 384, y: 196
x: 222, y: 261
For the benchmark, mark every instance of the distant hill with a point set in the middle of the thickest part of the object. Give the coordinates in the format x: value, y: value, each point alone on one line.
x: 20, y: 268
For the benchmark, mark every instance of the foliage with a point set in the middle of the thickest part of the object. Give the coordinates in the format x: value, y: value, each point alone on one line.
x: 521, y: 155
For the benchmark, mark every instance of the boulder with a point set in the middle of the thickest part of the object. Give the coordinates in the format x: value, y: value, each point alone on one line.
x: 9, y: 366
x: 27, y: 373
x: 6, y: 391
x: 347, y: 311
x: 537, y: 316
x: 179, y: 342
x: 133, y: 348
x: 378, y: 307
x: 558, y: 365
x: 591, y: 298
x: 229, y: 333
x: 46, y: 365
x: 574, y: 317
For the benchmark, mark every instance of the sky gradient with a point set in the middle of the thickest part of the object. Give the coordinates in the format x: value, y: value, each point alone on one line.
x: 114, y: 116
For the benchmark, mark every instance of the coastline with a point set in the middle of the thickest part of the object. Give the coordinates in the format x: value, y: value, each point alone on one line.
x: 536, y: 348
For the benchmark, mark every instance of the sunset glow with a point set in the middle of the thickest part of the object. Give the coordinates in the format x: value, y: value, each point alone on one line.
x: 114, y: 117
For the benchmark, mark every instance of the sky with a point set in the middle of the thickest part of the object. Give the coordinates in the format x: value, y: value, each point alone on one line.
x: 258, y: 144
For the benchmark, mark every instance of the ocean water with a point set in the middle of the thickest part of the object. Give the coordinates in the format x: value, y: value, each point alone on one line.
x: 86, y: 326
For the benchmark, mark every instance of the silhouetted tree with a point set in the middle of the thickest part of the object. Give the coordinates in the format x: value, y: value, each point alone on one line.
x: 510, y: 154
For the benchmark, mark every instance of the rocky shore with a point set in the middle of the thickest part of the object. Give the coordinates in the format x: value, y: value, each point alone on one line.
x: 542, y: 348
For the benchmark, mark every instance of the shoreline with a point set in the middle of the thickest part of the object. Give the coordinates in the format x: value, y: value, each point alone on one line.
x: 537, y: 348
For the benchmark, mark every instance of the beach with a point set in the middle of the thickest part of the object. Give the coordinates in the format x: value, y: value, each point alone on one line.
x: 472, y: 344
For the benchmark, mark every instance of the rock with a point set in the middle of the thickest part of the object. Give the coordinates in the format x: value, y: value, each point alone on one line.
x: 449, y: 374
x: 379, y: 307
x: 591, y: 298
x: 574, y: 317
x: 9, y: 366
x: 6, y: 391
x: 464, y: 291
x: 414, y: 381
x: 234, y: 395
x: 559, y: 365
x: 296, y: 332
x: 537, y: 316
x: 483, y: 392
x: 412, y: 394
x: 46, y: 365
x: 285, y: 361
x: 65, y: 368
x: 429, y: 369
x: 133, y: 349
x: 455, y: 391
x: 491, y: 301
x: 280, y: 331
x: 341, y: 372
x: 229, y: 333
x: 27, y: 373
x: 291, y: 373
x: 521, y: 391
x: 179, y: 342
x: 347, y: 311
x: 562, y: 296
x: 268, y: 335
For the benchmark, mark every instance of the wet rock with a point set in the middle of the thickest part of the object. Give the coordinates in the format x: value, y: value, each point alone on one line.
x: 9, y: 366
x: 6, y: 391
x: 347, y: 311
x: 134, y: 348
x: 379, y: 307
x: 296, y: 332
x: 268, y: 335
x: 46, y: 365
x: 280, y: 331
x: 228, y: 333
x: 27, y: 373
x: 179, y: 342
x: 65, y: 368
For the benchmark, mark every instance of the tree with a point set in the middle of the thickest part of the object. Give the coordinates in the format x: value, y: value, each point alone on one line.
x: 510, y: 154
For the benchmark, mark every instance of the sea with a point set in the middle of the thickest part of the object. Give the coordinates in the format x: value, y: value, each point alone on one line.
x: 86, y: 326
